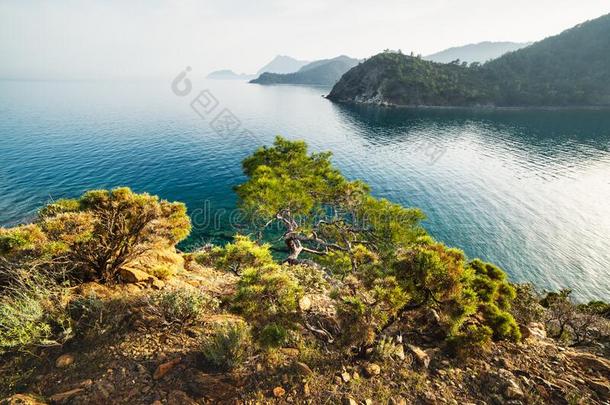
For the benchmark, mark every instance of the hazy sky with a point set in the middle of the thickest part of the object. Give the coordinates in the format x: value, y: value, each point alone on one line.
x: 76, y: 39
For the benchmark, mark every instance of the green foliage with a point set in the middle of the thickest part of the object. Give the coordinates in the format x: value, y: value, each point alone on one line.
x: 266, y: 296
x: 322, y: 213
x: 362, y: 312
x: 228, y: 346
x: 22, y: 241
x: 569, y: 69
x: 472, y: 337
x: 94, y: 317
x: 162, y: 271
x: 526, y: 306
x: 98, y: 233
x: 309, y: 278
x: 273, y: 335
x: 184, y: 305
x: 502, y: 323
x: 241, y: 254
x: 31, y: 313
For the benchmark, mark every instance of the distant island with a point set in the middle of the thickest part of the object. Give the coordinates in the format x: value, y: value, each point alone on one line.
x: 282, y: 64
x: 321, y: 72
x: 227, y: 74
x: 569, y: 69
x: 481, y: 52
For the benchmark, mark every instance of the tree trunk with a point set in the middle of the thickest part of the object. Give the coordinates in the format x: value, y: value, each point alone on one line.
x: 295, y: 248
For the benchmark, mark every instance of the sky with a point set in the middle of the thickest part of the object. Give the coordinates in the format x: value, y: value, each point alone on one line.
x: 102, y: 39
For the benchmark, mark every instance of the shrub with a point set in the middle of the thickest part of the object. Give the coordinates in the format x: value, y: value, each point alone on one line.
x: 309, y: 278
x: 526, y: 306
x: 94, y: 317
x: 228, y: 346
x: 163, y: 271
x: 273, y: 335
x: 103, y: 230
x: 471, y: 338
x: 502, y: 323
x: 265, y: 296
x: 575, y: 324
x: 183, y: 306
x: 31, y: 313
x: 241, y: 254
x: 362, y: 313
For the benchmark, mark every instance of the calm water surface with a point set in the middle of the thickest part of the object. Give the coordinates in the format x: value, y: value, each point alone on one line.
x: 529, y: 190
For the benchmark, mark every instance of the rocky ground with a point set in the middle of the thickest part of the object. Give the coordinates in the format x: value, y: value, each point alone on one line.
x: 143, y: 359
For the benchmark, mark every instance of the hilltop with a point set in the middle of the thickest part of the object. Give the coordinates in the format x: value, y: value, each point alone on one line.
x: 569, y: 69
x: 321, y: 72
x: 98, y: 306
x: 481, y: 52
x: 282, y: 64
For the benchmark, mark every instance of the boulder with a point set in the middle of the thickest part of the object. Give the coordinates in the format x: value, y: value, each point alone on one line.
x: 533, y: 330
x: 133, y: 275
x: 590, y: 361
x: 210, y: 386
x: 421, y: 357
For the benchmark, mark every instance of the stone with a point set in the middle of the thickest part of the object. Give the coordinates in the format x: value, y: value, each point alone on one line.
x: 206, y: 385
x: 421, y: 356
x: 345, y: 377
x: 372, y: 369
x: 131, y: 275
x: 65, y: 360
x: 349, y: 401
x: 590, y: 361
x: 305, y: 303
x: 368, y: 401
x: 22, y: 399
x: 533, y: 330
x: 303, y: 369
x: 178, y: 397
x: 64, y: 396
x: 279, y: 392
x: 157, y: 284
x: 165, y: 368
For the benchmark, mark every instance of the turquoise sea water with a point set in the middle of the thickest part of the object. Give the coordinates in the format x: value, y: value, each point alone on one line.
x: 528, y: 190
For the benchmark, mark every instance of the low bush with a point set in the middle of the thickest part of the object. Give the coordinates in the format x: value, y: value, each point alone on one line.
x: 572, y: 323
x: 242, y: 253
x: 526, y: 306
x: 268, y: 298
x: 163, y: 272
x: 183, y: 306
x: 32, y: 313
x: 228, y: 346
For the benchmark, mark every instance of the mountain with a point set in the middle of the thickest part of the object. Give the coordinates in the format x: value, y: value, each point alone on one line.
x: 322, y: 72
x: 282, y: 64
x: 481, y: 52
x: 227, y: 74
x: 569, y: 69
